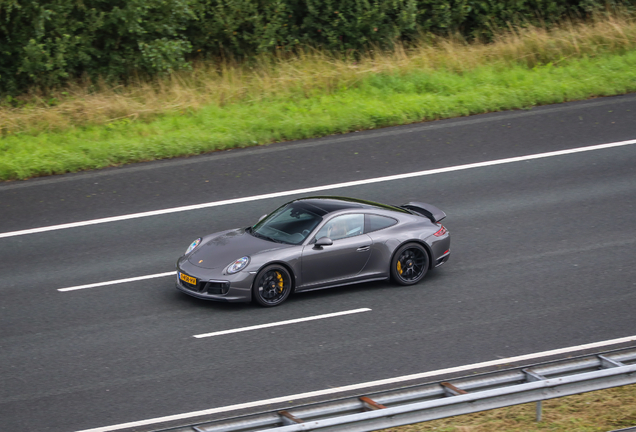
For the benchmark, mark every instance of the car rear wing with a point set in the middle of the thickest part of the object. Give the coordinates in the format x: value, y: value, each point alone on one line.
x: 426, y: 210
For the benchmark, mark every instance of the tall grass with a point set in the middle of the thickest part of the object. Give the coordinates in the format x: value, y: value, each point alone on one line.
x: 274, y: 98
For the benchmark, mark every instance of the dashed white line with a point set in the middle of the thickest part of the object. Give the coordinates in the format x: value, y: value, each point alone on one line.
x: 281, y: 323
x: 296, y: 397
x: 119, y: 281
x: 317, y: 188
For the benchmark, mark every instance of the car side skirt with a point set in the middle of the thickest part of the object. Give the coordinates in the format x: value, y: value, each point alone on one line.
x: 342, y: 283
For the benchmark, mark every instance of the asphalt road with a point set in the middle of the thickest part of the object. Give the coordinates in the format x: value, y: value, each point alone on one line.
x: 542, y: 258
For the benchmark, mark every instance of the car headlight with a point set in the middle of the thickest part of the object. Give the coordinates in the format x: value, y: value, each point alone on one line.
x: 193, y: 245
x: 238, y: 265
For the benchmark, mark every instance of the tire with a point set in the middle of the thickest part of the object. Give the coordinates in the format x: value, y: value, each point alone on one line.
x: 272, y: 286
x: 409, y: 264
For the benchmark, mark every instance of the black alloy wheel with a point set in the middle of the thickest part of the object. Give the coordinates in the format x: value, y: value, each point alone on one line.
x: 272, y: 286
x: 409, y: 264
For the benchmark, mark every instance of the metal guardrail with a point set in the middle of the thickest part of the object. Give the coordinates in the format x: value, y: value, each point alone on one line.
x: 437, y: 400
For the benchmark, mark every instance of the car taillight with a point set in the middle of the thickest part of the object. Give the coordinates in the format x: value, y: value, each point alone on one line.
x: 441, y: 231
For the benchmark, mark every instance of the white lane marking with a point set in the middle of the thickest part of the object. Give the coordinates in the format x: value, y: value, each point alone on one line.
x: 280, y: 323
x: 317, y: 189
x: 330, y: 391
x: 119, y: 281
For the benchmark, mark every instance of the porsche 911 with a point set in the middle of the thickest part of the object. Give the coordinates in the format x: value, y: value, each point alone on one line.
x: 315, y: 243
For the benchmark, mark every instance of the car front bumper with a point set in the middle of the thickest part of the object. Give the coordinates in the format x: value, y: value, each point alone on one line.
x: 213, y: 285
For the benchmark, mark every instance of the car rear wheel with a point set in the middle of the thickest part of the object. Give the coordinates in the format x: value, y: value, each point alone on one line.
x: 409, y: 264
x: 272, y: 286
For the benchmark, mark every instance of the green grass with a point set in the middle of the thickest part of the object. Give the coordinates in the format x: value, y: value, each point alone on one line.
x: 377, y: 100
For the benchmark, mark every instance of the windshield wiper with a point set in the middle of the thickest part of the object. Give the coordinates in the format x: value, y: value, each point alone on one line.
x: 264, y: 237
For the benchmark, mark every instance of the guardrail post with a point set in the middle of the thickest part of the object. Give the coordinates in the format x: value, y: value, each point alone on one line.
x: 530, y: 377
x: 451, y: 390
x: 607, y: 363
x: 370, y: 403
x: 288, y: 418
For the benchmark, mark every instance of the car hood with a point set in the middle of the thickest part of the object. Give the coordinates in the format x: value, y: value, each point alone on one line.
x: 221, y: 249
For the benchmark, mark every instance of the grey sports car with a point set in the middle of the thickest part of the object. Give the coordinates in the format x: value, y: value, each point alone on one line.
x: 315, y: 243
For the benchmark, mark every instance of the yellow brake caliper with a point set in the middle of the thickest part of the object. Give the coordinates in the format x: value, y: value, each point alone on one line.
x: 399, y: 267
x: 280, y: 282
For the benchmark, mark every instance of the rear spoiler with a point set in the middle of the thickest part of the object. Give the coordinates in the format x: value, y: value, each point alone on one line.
x: 427, y: 210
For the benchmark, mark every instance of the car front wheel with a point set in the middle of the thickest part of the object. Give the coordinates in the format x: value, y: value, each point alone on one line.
x: 409, y: 264
x: 272, y: 286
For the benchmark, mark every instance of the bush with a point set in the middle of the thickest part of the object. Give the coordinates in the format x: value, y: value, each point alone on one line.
x: 47, y: 42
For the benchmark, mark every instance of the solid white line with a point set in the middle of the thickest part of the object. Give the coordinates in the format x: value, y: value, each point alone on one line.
x: 280, y: 323
x: 119, y: 281
x: 317, y: 189
x: 330, y: 391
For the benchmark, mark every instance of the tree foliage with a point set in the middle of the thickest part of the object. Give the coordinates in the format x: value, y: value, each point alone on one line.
x: 45, y: 43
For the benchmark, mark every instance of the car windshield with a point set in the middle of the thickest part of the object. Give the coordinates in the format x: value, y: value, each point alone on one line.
x: 290, y: 224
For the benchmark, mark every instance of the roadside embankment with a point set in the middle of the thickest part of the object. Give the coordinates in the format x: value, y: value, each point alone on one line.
x: 314, y: 94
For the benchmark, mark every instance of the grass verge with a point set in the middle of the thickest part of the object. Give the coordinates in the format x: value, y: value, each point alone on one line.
x: 599, y: 411
x: 273, y: 99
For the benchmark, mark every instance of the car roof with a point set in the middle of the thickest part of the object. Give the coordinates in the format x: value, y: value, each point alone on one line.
x: 323, y: 205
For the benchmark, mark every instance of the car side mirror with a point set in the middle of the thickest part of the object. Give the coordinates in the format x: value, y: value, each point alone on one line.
x: 323, y: 241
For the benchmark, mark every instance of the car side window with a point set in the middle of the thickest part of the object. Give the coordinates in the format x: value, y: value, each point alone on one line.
x: 377, y: 222
x: 342, y: 226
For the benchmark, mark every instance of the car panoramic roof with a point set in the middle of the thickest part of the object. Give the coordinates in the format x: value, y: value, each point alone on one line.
x: 328, y: 204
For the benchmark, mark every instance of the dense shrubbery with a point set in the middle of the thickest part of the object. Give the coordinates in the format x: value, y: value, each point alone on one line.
x: 44, y: 43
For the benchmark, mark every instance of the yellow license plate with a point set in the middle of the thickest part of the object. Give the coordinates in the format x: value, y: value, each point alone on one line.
x: 188, y: 279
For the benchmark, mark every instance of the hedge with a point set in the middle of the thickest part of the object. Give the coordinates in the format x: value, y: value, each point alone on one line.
x: 45, y: 43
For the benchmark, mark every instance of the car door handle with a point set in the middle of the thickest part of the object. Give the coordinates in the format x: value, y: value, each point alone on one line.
x: 363, y: 248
